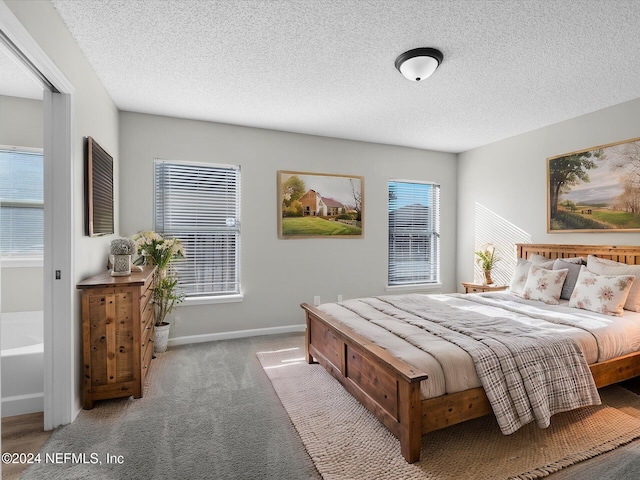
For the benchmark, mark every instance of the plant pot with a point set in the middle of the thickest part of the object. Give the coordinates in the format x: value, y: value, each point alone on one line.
x: 121, y: 265
x: 161, y: 337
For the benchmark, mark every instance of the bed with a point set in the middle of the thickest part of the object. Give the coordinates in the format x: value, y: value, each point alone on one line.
x: 392, y: 388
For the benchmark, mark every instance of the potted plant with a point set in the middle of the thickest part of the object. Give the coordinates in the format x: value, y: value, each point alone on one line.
x: 166, y: 295
x: 122, y: 249
x: 161, y: 252
x: 487, y: 259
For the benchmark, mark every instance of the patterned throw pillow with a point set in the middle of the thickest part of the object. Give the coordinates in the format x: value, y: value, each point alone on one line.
x: 544, y: 285
x: 601, y: 293
x: 520, y: 276
x: 602, y: 266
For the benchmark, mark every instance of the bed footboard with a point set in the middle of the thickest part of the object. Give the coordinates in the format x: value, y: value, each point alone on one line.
x: 385, y: 385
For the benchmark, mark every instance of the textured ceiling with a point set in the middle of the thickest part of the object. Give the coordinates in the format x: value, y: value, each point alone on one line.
x: 326, y: 67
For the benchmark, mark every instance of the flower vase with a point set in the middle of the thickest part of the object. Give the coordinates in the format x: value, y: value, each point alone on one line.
x: 121, y: 265
x: 487, y: 277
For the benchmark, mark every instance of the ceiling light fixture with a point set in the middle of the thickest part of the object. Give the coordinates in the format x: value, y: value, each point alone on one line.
x: 419, y: 63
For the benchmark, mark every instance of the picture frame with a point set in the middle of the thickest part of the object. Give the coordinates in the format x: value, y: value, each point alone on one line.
x: 320, y: 205
x: 98, y: 189
x: 595, y: 190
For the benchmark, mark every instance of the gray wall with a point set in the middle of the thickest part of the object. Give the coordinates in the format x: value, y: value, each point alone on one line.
x: 277, y: 275
x: 508, y: 178
x: 21, y: 126
x: 20, y: 122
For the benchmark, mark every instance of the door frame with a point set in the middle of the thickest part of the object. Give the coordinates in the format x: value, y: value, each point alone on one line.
x: 59, y: 309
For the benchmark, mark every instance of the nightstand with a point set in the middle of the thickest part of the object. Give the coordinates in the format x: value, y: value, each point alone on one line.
x: 477, y: 287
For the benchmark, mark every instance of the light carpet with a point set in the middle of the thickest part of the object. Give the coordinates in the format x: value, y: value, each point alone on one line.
x: 208, y: 413
x: 346, y: 441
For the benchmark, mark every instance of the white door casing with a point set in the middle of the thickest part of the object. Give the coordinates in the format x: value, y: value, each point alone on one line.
x: 60, y: 384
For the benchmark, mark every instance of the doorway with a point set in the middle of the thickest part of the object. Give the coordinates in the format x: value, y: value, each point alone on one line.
x: 58, y: 272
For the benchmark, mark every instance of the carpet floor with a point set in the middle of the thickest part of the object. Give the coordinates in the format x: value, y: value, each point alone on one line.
x: 208, y: 412
x: 347, y: 442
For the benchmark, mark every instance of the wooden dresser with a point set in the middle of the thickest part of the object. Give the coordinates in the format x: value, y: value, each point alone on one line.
x: 117, y: 334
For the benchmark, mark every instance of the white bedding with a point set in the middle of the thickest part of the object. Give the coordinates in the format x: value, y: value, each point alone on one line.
x: 450, y: 368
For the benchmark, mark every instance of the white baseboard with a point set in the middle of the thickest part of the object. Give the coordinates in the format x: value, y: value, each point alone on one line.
x: 21, y: 404
x: 255, y: 332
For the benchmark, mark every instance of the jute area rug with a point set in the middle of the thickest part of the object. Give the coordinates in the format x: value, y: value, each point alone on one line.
x: 345, y: 441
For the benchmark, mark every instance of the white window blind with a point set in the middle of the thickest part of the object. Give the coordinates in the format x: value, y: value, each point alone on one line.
x: 21, y: 203
x: 414, y: 233
x: 200, y: 205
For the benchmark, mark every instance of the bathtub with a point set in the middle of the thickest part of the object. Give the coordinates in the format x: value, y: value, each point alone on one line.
x: 22, y: 349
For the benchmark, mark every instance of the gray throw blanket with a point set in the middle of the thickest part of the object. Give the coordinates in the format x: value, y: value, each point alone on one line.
x: 527, y: 373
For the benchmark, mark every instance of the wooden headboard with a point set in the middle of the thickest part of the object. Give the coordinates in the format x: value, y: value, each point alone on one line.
x: 628, y: 254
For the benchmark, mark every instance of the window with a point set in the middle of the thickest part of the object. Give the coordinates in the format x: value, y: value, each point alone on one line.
x: 21, y: 203
x: 199, y: 204
x: 414, y: 233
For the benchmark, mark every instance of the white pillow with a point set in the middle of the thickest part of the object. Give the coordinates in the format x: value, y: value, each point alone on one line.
x: 601, y: 293
x: 591, y: 259
x: 540, y: 261
x: 520, y: 276
x: 544, y: 285
x: 602, y: 266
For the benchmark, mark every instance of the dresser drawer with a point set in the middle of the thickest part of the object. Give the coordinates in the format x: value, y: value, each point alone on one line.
x: 476, y: 289
x: 146, y: 336
x: 145, y: 300
x: 146, y: 319
x: 147, y: 354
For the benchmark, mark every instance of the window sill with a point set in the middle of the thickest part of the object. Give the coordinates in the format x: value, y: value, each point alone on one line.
x: 413, y: 288
x: 24, y: 262
x: 235, y: 298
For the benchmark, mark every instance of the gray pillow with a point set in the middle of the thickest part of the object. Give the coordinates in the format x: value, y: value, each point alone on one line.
x: 572, y: 276
x: 578, y: 260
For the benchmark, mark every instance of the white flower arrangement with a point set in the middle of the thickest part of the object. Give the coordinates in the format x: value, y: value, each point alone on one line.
x: 159, y: 250
x: 162, y: 251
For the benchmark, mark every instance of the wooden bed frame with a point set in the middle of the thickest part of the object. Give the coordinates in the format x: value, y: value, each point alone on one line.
x: 390, y: 388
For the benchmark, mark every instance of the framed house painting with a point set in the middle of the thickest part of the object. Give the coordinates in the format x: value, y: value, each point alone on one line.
x: 595, y: 190
x: 320, y: 205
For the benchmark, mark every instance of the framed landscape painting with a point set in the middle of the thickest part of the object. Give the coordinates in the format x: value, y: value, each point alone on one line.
x: 595, y: 190
x: 320, y: 205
